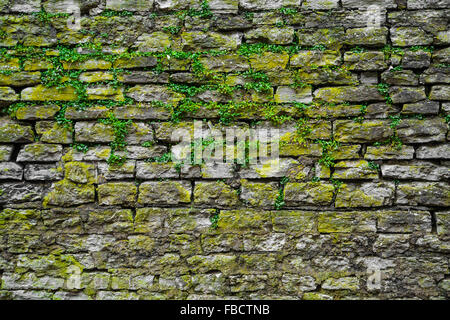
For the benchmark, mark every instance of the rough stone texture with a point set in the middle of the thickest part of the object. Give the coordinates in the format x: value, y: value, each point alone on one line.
x: 91, y: 120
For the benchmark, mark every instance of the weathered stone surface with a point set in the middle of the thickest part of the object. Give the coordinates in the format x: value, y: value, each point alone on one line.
x: 424, y: 193
x: 441, y: 151
x: 294, y: 222
x: 153, y: 93
x: 259, y: 194
x: 20, y: 79
x: 200, y: 40
x: 388, y: 245
x: 130, y: 5
x: 269, y: 61
x: 271, y: 35
x: 10, y: 171
x: 367, y: 131
x: 404, y: 221
x: 153, y: 42
x: 320, y: 5
x: 91, y: 188
x: 348, y: 94
x: 443, y: 224
x: 265, y: 4
x: 137, y: 62
x: 331, y: 38
x: 11, y: 131
x: 53, y: 132
x: 348, y: 170
x: 41, y: 93
x: 227, y: 63
x: 93, y: 132
x: 43, y: 172
x: 5, y: 152
x: 288, y: 94
x: 315, y: 58
x: 420, y: 170
x: 40, y: 152
x: 367, y: 36
x: 365, y: 61
x: 217, y: 170
x: 356, y: 4
x: 441, y: 56
x: 421, y: 4
x: 308, y: 194
x: 407, y: 94
x: 440, y: 93
x: 422, y: 131
x: 410, y: 36
x: 295, y: 283
x: 436, y: 75
x: 81, y: 172
x: 215, y: 193
x: 416, y: 59
x: 346, y: 283
x: 68, y: 194
x: 105, y: 93
x: 22, y: 6
x: 114, y: 172
x: 19, y: 192
x: 276, y: 168
x: 165, y: 192
x: 37, y: 112
x: 88, y: 65
x: 224, y: 6
x: 378, y: 194
x: 143, y: 77
x: 122, y: 193
x: 155, y: 170
x: 422, y: 107
x: 400, y: 78
x: 389, y: 152
x: 347, y: 222
x: 328, y: 76
x: 241, y: 221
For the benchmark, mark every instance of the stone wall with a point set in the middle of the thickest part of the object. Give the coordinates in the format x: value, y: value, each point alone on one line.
x: 92, y: 207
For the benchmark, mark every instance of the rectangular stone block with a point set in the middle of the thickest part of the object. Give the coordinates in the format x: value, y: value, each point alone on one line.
x: 347, y: 222
x: 121, y: 193
x: 5, y: 152
x: 367, y: 131
x: 40, y: 152
x: 215, y: 194
x: 10, y: 171
x: 404, y: 221
x: 259, y: 194
x: 244, y: 221
x: 94, y: 132
x: 349, y: 94
x: 294, y: 222
x: 165, y: 192
x: 422, y: 131
x: 419, y: 170
x: 310, y: 193
x: 130, y: 5
x: 156, y: 170
x: 388, y: 152
x: 42, y: 93
x: 43, y: 172
x: 349, y: 170
x: 424, y: 193
x: 366, y: 195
